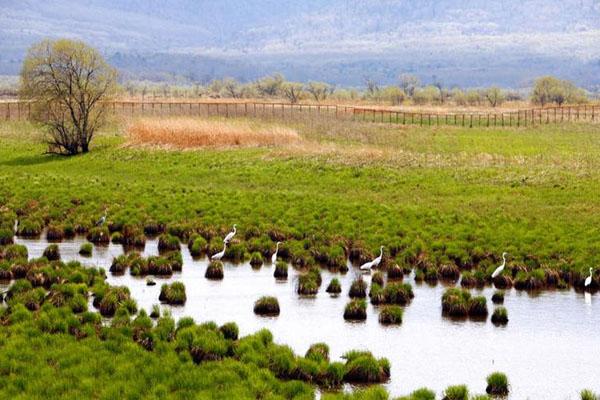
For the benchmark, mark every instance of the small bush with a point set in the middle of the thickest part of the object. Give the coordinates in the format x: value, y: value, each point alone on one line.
x: 497, y: 384
x: 167, y: 242
x: 173, y: 293
x: 334, y: 286
x: 318, y: 352
x: 98, y: 235
x: 395, y: 272
x: 230, y: 331
x: 362, y: 367
x: 266, y: 306
x: 54, y: 233
x: 307, y: 285
x: 198, y: 246
x: 52, y: 253
x: 498, y: 297
x: 356, y: 310
x: 15, y: 252
x: 86, y: 249
x: 214, y: 271
x: 588, y: 395
x: 378, y: 278
x: 281, y: 270
x: 398, y: 293
x: 478, y: 307
x: 256, y: 260
x: 459, y: 392
x: 391, y: 315
x: 500, y: 316
x: 358, y: 289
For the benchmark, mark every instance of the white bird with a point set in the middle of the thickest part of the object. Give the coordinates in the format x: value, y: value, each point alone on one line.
x: 499, y: 270
x: 102, y: 220
x: 230, y: 235
x: 372, y: 264
x: 588, y: 280
x: 274, y: 256
x: 16, y: 226
x: 220, y: 254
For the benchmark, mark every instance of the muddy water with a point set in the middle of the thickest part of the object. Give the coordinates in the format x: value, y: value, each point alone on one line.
x: 550, y: 349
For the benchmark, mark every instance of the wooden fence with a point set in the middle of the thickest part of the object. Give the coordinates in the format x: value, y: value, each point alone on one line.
x: 525, y: 117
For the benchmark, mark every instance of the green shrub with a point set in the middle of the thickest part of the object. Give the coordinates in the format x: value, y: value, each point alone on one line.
x: 86, y: 249
x: 356, y: 310
x: 173, y: 294
x: 500, y: 316
x: 256, y: 259
x: 398, y: 293
x: 230, y: 331
x: 334, y: 286
x: 198, y: 246
x: 362, y: 367
x: 52, y: 253
x: 391, y: 315
x: 214, y: 271
x: 318, y: 352
x: 588, y: 395
x: 167, y: 242
x: 307, y: 285
x: 281, y: 270
x: 458, y: 392
x: 6, y: 236
x: 497, y: 384
x: 15, y: 252
x: 358, y: 289
x: 266, y: 305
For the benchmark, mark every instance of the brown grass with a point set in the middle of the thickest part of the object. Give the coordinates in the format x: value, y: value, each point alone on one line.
x: 189, y: 133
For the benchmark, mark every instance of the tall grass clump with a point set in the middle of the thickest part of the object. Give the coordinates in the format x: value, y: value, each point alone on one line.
x: 500, y: 316
x: 185, y: 133
x: 588, y: 395
x: 391, y: 315
x: 363, y: 367
x: 398, y: 293
x: 334, y: 287
x: 356, y: 310
x: 308, y: 285
x: 497, y: 384
x: 458, y: 392
x: 281, y: 270
x: 214, y: 271
x: 173, y: 294
x: 267, y: 305
x: 86, y: 249
x: 498, y: 297
x: 52, y: 253
x: 358, y: 289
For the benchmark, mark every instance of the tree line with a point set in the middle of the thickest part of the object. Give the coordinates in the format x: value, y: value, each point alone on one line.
x: 408, y: 90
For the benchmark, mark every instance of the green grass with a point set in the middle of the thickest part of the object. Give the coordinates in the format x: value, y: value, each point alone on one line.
x: 460, y: 193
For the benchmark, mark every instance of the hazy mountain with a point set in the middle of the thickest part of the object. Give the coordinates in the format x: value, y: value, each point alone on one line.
x: 467, y: 42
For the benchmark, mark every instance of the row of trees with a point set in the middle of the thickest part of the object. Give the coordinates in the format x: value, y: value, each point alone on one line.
x: 408, y: 90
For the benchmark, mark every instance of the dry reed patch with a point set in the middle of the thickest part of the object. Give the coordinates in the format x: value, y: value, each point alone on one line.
x: 189, y: 133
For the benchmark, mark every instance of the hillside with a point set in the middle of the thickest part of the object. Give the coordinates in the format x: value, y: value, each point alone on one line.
x: 467, y: 42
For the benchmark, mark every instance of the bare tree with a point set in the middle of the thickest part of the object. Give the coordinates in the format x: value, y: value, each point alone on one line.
x: 409, y: 83
x: 319, y: 90
x: 292, y: 91
x: 68, y: 83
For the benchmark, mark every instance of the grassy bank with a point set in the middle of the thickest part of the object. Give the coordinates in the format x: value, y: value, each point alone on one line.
x: 445, y: 195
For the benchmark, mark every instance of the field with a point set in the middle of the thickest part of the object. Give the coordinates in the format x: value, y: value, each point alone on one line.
x: 433, y: 196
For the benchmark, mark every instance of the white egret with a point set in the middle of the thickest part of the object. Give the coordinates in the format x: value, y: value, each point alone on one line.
x: 274, y: 256
x: 16, y: 226
x: 372, y: 264
x: 588, y: 280
x: 230, y: 235
x: 102, y: 220
x: 220, y: 254
x: 499, y: 270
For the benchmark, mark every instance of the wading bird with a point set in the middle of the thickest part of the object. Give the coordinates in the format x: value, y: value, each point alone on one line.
x: 102, y: 220
x: 588, y: 280
x: 499, y: 270
x: 220, y: 254
x: 230, y: 235
x: 16, y: 226
x: 372, y: 264
x: 274, y: 256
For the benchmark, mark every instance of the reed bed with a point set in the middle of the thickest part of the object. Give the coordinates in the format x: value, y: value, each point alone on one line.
x: 192, y: 133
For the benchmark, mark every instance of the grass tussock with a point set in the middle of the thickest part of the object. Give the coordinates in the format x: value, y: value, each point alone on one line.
x: 190, y: 133
x: 497, y: 384
x: 267, y: 306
